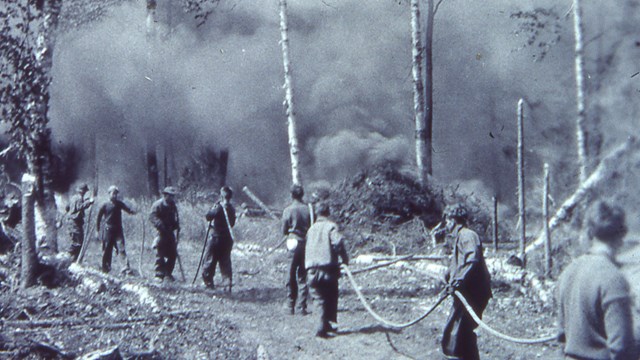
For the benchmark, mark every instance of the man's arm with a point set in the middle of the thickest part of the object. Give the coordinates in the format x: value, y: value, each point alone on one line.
x: 469, y: 246
x: 99, y: 219
x: 338, y: 244
x: 124, y: 207
x: 616, y: 304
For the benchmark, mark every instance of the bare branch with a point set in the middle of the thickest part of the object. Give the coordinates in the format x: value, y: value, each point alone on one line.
x: 435, y: 8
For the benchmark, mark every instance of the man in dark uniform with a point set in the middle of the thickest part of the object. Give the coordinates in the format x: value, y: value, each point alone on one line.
x: 113, y: 235
x: 467, y: 274
x: 221, y: 217
x: 594, y: 300
x: 164, y: 218
x: 77, y: 205
x: 324, y: 245
x: 296, y: 219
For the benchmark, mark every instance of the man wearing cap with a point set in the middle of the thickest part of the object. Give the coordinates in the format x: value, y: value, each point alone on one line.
x: 221, y: 217
x: 77, y: 205
x: 164, y: 218
x: 594, y: 303
x: 324, y: 245
x: 113, y: 235
x: 296, y: 219
x: 469, y: 275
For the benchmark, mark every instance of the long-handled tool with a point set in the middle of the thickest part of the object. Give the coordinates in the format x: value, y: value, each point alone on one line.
x: 204, y: 246
x: 178, y: 256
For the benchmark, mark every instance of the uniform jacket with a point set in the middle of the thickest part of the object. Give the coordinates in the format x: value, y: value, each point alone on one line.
x: 594, y: 310
x: 218, y: 220
x: 112, y: 213
x: 76, y: 209
x: 164, y: 216
x: 324, y: 245
x: 296, y: 219
x: 468, y: 266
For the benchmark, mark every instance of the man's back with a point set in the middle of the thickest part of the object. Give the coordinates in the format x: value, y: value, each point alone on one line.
x: 594, y: 309
x: 296, y: 219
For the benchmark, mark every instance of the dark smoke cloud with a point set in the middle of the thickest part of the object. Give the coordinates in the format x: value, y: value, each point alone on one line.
x: 220, y: 84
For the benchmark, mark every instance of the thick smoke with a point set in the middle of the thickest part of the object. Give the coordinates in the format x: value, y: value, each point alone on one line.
x: 220, y: 84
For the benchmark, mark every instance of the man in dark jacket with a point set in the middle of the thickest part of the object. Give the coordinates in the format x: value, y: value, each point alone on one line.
x: 113, y: 235
x: 467, y: 274
x: 296, y: 219
x: 77, y: 205
x: 164, y: 218
x: 221, y: 217
x: 324, y: 246
x: 594, y: 301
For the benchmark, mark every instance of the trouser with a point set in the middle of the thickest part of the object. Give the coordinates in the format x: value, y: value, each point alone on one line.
x: 459, y: 341
x: 297, y: 282
x: 76, y: 237
x: 218, y: 251
x: 323, y: 283
x: 166, y: 254
x: 113, y: 238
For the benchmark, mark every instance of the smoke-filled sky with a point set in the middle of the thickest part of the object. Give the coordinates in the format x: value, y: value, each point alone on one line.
x: 221, y: 84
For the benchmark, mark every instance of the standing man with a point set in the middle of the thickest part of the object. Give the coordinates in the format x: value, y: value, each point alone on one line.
x: 467, y: 274
x: 77, y: 206
x: 324, y: 245
x: 221, y: 217
x: 296, y: 219
x: 594, y: 303
x: 164, y: 218
x: 113, y: 235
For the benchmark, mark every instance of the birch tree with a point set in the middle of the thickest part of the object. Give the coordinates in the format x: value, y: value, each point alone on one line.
x: 288, y: 98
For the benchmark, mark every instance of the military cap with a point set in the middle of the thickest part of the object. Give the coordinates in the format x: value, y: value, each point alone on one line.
x: 113, y: 188
x: 82, y: 187
x: 170, y: 190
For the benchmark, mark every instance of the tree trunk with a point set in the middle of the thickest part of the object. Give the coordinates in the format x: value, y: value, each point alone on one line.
x: 428, y: 87
x: 422, y: 152
x: 224, y: 163
x: 288, y: 101
x: 521, y: 195
x: 548, y: 261
x: 152, y: 171
x: 29, y: 268
x: 581, y: 130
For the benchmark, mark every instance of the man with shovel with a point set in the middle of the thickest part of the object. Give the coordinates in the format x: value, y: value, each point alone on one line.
x: 164, y: 218
x: 221, y: 217
x: 113, y: 236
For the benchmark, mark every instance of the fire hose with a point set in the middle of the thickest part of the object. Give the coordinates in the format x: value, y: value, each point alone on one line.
x: 464, y: 302
x: 381, y: 319
x: 496, y: 333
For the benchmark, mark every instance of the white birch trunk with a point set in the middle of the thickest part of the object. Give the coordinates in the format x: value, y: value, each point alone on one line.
x: 521, y: 195
x: 428, y: 87
x: 288, y: 99
x: 581, y: 129
x: 545, y: 231
x: 418, y: 94
x: 29, y: 266
x: 599, y: 175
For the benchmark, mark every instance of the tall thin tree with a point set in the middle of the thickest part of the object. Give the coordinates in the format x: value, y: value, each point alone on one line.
x: 581, y: 126
x: 423, y: 153
x: 288, y: 99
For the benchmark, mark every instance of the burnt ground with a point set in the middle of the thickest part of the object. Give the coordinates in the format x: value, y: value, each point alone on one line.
x: 177, y: 321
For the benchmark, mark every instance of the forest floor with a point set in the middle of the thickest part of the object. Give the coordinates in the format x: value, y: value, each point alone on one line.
x: 147, y: 320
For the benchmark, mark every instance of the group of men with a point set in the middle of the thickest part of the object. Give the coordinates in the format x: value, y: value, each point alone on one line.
x: 594, y: 301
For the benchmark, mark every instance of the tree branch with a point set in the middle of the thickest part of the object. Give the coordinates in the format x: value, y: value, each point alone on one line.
x: 435, y: 8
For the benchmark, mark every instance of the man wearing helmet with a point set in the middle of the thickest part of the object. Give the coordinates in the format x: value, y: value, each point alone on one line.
x: 113, y: 235
x: 77, y: 206
x: 467, y: 274
x: 296, y: 220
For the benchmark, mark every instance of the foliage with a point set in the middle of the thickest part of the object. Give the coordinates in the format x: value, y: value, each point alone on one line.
x: 24, y: 82
x: 541, y: 28
x: 204, y: 172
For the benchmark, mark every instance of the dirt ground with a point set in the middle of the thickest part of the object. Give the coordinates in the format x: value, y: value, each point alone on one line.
x: 146, y: 320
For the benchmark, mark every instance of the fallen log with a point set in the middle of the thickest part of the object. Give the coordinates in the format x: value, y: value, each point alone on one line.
x: 606, y: 166
x: 260, y: 203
